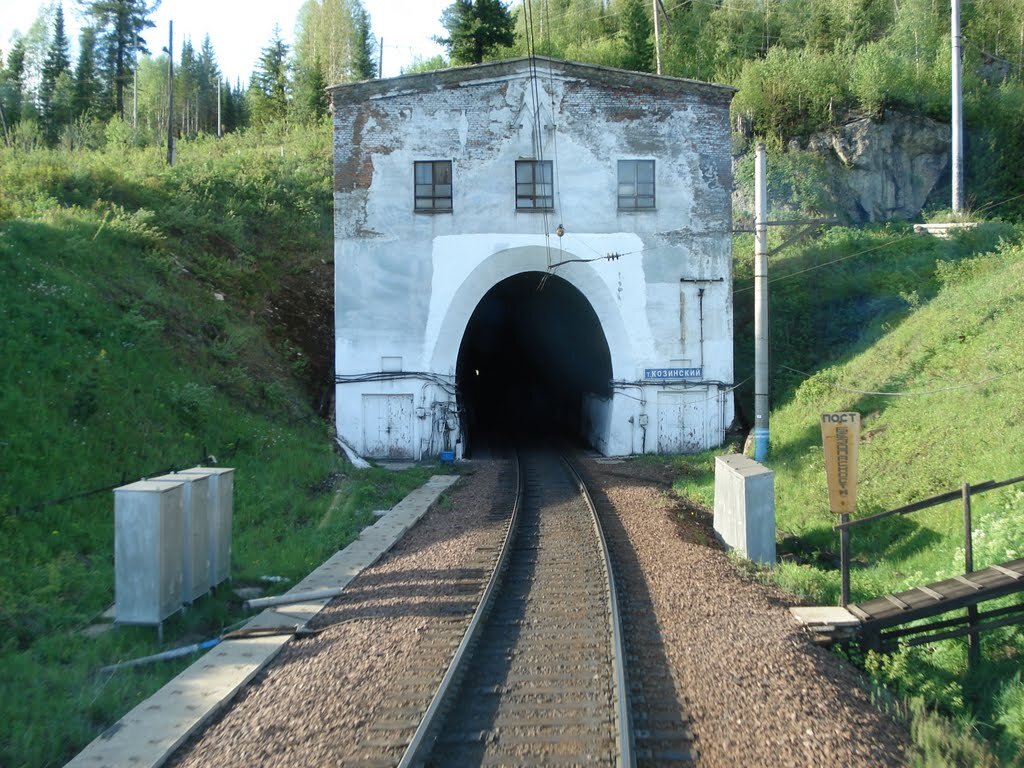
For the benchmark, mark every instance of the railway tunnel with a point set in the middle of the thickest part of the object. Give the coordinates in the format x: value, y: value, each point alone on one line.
x: 533, y: 348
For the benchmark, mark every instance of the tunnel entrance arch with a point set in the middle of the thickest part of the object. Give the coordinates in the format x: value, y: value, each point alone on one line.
x: 533, y: 353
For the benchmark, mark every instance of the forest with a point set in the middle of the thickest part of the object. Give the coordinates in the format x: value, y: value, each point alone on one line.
x: 800, y: 66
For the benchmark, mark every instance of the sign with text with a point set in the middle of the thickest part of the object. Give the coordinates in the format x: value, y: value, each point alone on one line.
x: 673, y: 373
x: 840, y: 432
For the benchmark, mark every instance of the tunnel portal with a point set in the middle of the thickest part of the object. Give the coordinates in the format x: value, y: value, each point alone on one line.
x: 533, y: 348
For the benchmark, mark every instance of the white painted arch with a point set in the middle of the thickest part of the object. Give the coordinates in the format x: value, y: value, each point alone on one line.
x: 510, y: 262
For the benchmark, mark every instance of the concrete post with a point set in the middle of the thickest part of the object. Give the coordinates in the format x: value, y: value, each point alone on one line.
x: 957, y: 117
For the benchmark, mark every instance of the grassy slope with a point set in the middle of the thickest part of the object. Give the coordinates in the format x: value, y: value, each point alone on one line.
x: 914, y: 316
x: 150, y: 317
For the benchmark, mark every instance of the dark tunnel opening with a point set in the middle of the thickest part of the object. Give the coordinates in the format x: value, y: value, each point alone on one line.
x: 532, y: 349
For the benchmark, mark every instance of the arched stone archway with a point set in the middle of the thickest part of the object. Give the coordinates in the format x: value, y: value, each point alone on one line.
x: 446, y: 325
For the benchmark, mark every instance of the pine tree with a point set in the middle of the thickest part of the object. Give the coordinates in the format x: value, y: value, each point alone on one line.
x: 270, y: 85
x: 364, y: 62
x: 186, y: 89
x: 12, y: 83
x: 636, y: 37
x: 119, y: 24
x: 310, y: 103
x: 208, y: 83
x: 475, y: 29
x: 87, y: 84
x: 57, y: 63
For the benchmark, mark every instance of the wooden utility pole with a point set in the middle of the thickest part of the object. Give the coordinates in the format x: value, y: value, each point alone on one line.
x: 957, y: 118
x: 170, y: 94
x: 3, y: 122
x: 135, y: 97
x: 760, y: 307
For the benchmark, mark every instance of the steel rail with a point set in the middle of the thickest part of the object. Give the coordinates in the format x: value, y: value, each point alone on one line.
x: 422, y: 740
x: 627, y: 755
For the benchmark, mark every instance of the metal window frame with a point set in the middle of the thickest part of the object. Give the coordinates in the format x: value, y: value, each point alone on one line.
x: 631, y: 202
x: 533, y: 195
x: 433, y: 197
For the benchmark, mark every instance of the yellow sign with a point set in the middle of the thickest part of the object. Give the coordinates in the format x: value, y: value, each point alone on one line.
x: 840, y: 432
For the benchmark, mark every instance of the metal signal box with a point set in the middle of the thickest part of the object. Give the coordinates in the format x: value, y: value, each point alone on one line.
x: 195, y: 547
x: 148, y: 535
x: 220, y: 508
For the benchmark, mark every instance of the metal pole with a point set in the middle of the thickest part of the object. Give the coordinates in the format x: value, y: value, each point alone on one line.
x: 957, y: 117
x: 844, y: 561
x: 380, y: 58
x: 220, y: 86
x: 657, y: 38
x: 170, y: 94
x: 760, y: 307
x: 973, y: 640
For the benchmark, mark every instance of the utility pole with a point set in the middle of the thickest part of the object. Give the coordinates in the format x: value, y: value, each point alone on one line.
x: 135, y: 97
x: 3, y: 122
x: 760, y: 307
x: 170, y: 94
x: 220, y: 87
x: 657, y: 38
x: 380, y: 58
x: 958, y: 112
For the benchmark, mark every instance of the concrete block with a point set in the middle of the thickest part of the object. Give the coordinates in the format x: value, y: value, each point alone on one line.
x: 745, y: 506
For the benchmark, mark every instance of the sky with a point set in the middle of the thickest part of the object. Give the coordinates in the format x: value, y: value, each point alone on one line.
x: 239, y: 29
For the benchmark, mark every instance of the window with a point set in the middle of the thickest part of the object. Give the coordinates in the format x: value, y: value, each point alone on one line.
x: 535, y: 187
x: 433, y: 179
x: 636, y: 185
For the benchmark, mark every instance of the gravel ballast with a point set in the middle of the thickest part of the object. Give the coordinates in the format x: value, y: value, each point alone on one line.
x: 756, y: 691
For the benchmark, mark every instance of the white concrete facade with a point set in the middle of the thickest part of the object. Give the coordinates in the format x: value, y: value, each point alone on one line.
x: 408, y: 282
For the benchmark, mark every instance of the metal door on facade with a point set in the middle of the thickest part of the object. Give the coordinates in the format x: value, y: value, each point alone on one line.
x: 681, y: 422
x: 388, y: 426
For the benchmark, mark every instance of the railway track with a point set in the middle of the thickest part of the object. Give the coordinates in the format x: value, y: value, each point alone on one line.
x: 539, y: 676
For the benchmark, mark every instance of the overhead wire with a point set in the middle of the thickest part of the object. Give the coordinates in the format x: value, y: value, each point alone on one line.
x: 919, y: 393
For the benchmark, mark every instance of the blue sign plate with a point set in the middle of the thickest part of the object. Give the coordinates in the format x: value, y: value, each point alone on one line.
x: 673, y: 373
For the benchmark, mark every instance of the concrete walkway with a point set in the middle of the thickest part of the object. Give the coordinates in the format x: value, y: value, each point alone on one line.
x: 148, y: 734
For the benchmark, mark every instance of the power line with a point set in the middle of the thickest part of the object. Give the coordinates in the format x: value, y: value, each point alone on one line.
x: 829, y: 263
x: 919, y: 393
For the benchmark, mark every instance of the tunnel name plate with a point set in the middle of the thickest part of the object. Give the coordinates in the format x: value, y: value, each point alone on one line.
x: 657, y: 374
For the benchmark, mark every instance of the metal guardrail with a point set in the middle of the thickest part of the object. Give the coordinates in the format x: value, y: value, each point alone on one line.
x: 964, y: 493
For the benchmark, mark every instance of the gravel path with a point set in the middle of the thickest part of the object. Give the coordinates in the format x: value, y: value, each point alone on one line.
x: 756, y: 691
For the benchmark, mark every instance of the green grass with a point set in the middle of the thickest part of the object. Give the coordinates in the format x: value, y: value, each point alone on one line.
x: 151, y: 318
x: 938, y: 322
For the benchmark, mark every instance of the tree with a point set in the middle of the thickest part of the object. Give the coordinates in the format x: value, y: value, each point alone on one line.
x: 12, y: 83
x: 475, y: 29
x: 87, y: 83
x: 636, y: 37
x: 270, y: 85
x: 208, y: 77
x: 335, y: 36
x: 119, y: 25
x: 310, y: 102
x: 364, y: 62
x: 57, y: 63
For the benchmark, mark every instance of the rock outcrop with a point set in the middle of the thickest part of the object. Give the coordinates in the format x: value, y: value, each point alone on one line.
x: 884, y: 169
